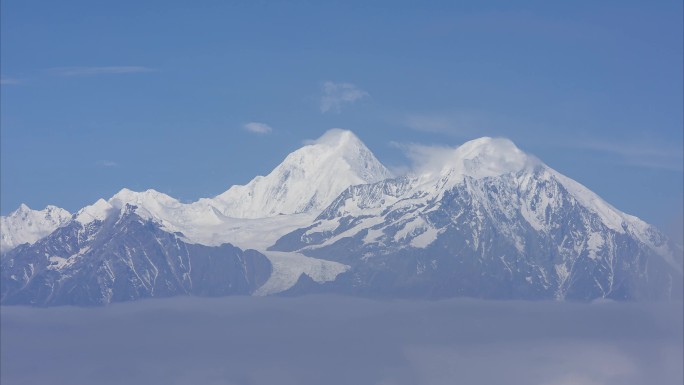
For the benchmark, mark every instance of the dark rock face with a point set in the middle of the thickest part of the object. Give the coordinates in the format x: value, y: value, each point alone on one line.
x: 517, y: 236
x: 124, y: 258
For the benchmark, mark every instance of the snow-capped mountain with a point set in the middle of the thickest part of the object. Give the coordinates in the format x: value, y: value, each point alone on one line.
x: 488, y: 220
x: 97, y: 259
x: 482, y: 220
x: 250, y: 216
x: 307, y: 180
x: 258, y: 213
x: 27, y: 226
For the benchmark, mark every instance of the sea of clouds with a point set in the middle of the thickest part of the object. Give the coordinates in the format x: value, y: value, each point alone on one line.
x: 340, y: 340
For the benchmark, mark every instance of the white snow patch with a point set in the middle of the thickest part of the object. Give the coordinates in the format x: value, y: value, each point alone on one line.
x: 594, y: 244
x: 531, y: 217
x: 323, y: 226
x: 57, y: 263
x: 426, y: 238
x: 519, y: 244
x: 373, y: 236
x: 410, y: 228
x: 563, y: 274
x: 365, y: 224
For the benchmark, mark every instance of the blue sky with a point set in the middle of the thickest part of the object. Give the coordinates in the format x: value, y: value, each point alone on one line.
x: 97, y: 96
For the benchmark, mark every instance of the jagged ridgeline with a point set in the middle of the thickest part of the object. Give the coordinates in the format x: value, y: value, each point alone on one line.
x: 486, y: 220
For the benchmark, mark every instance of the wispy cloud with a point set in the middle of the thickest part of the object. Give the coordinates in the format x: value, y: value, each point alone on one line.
x: 433, y: 159
x: 335, y: 95
x: 258, y: 128
x: 9, y: 81
x: 422, y: 158
x: 648, y: 155
x: 94, y: 71
x: 107, y: 163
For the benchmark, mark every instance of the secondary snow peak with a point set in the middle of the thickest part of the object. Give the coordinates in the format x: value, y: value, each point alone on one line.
x: 146, y: 199
x: 25, y: 225
x: 23, y: 208
x: 98, y: 211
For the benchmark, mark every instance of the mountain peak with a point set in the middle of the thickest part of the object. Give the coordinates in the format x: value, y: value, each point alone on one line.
x: 488, y: 144
x: 307, y: 180
x: 337, y: 137
x: 478, y: 158
x: 25, y: 225
x: 492, y: 156
x: 145, y: 198
x: 96, y: 212
x: 23, y: 208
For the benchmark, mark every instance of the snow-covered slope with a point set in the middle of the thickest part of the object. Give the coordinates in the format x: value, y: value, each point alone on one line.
x: 27, y: 226
x: 307, y: 180
x: 199, y: 222
x: 256, y: 214
x: 253, y: 215
x: 481, y: 159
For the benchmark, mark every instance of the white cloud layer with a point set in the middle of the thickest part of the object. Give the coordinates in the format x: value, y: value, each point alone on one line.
x: 338, y: 340
x: 258, y: 128
x: 335, y: 95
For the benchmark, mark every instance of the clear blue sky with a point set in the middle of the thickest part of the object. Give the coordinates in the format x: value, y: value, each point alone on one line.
x: 98, y: 95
